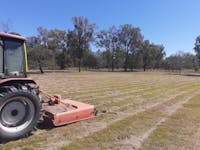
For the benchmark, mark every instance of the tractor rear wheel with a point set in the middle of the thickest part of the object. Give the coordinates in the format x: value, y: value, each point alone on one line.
x: 20, y: 110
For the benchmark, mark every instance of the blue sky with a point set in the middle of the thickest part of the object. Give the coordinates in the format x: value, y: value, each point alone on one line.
x: 173, y: 23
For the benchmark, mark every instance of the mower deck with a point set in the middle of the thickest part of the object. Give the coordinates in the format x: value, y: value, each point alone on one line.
x: 67, y: 111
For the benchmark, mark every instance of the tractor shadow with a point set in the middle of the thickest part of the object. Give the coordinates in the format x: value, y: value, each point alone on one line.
x: 191, y: 75
x: 184, y: 74
x: 45, y: 125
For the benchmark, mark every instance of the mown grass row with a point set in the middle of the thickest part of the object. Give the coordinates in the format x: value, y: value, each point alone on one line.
x: 123, y: 129
x: 133, y: 105
x: 91, y: 82
x: 108, y: 88
x: 141, y: 97
x: 179, y: 131
x: 145, y: 92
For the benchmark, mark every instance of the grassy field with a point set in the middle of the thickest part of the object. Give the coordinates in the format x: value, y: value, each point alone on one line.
x: 146, y: 111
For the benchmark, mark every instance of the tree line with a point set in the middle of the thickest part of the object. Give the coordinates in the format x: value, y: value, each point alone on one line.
x: 118, y: 47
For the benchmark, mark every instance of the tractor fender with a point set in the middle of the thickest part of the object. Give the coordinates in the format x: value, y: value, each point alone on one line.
x: 16, y: 80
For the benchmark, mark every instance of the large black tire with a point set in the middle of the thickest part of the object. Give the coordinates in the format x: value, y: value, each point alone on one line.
x: 20, y: 110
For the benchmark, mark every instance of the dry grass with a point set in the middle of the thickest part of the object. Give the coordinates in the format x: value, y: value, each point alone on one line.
x: 143, y: 111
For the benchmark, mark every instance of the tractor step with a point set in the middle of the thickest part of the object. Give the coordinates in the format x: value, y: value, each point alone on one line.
x: 61, y: 112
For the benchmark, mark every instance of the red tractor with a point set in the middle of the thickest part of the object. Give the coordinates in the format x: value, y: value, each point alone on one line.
x: 21, y: 105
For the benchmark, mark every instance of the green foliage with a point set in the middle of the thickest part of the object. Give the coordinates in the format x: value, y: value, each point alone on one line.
x: 41, y: 57
x: 81, y: 37
x: 119, y: 58
x: 90, y: 61
x: 129, y: 39
x: 197, y: 48
x: 63, y: 60
x: 106, y: 57
x: 181, y: 61
x: 57, y: 40
x: 109, y: 40
x: 152, y: 55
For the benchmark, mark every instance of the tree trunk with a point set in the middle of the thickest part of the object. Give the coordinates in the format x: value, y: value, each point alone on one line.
x: 126, y: 62
x: 125, y: 68
x: 144, y: 67
x: 79, y: 65
x: 131, y: 69
x: 112, y: 64
x: 40, y: 67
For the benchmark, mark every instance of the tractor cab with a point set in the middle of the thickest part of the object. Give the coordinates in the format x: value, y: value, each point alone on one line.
x: 13, y: 58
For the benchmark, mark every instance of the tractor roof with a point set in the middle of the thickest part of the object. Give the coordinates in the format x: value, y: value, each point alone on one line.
x: 12, y: 36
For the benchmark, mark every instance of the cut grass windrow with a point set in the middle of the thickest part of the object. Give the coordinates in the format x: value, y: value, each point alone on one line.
x: 145, y: 93
x: 123, y: 129
x: 180, y: 131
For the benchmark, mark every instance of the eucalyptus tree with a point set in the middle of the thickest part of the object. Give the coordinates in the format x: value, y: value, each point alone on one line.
x: 152, y: 55
x: 145, y: 51
x: 108, y: 39
x: 197, y: 48
x: 43, y: 36
x: 57, y: 40
x: 81, y: 37
x: 129, y: 39
x: 157, y: 55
